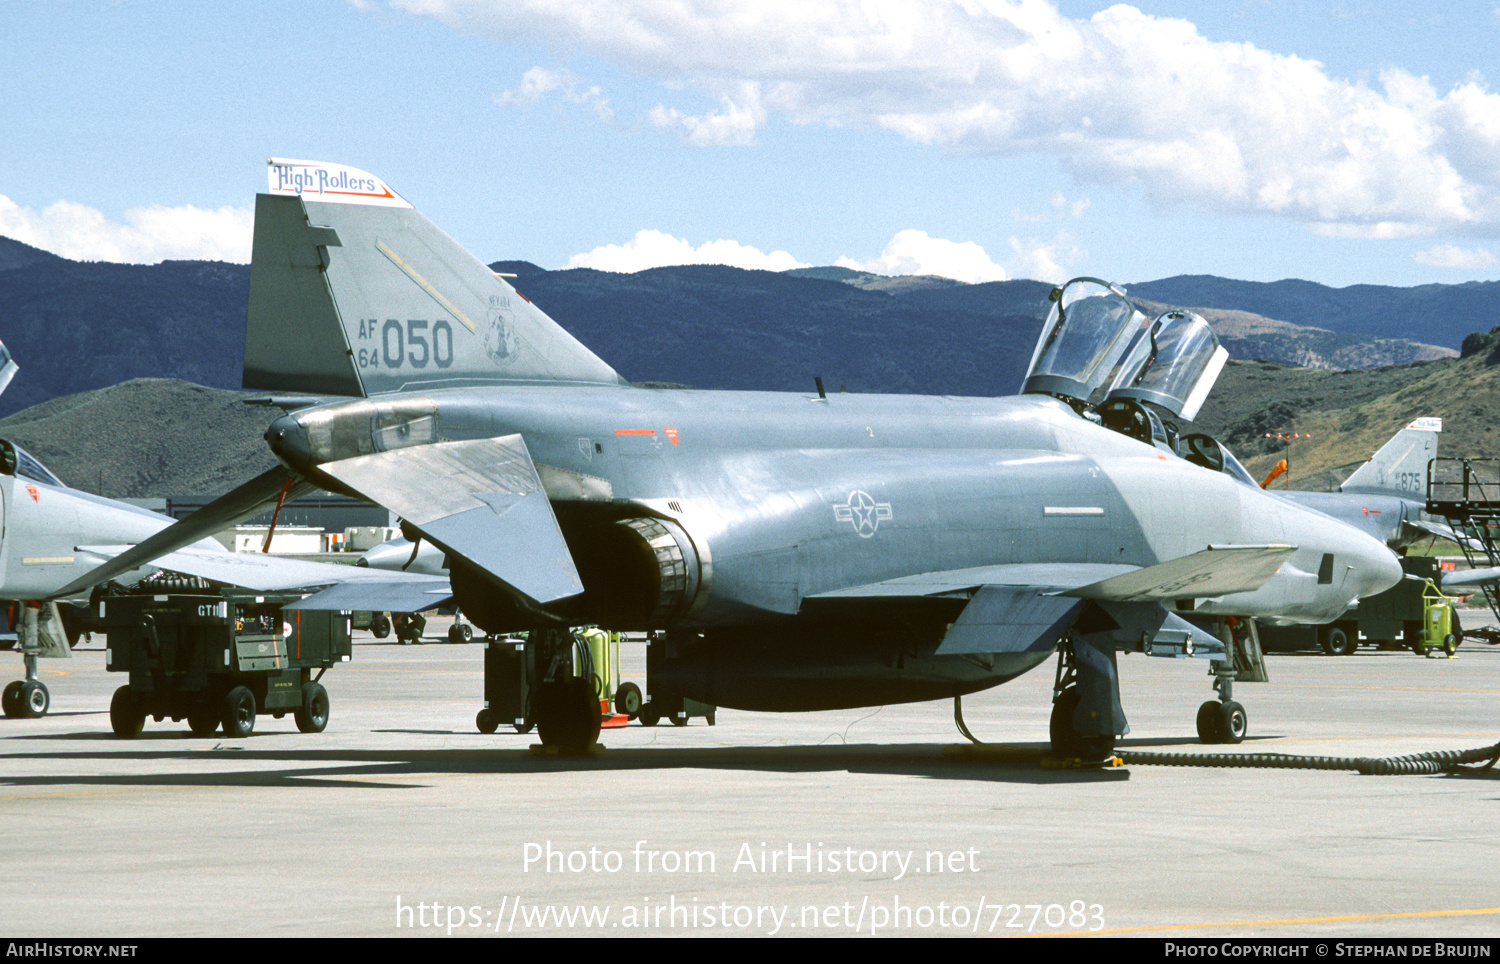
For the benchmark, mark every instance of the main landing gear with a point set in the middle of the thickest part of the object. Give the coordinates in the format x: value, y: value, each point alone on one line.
x: 565, y: 706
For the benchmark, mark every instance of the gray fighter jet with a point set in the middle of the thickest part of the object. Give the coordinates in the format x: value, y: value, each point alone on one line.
x: 790, y: 551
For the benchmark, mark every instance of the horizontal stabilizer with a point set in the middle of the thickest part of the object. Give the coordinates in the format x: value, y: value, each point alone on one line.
x: 479, y: 500
x: 1215, y: 571
x: 1009, y: 619
x: 379, y: 595
x: 1470, y: 578
x: 227, y: 510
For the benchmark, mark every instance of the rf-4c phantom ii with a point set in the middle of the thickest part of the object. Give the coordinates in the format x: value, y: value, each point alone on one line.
x: 787, y: 551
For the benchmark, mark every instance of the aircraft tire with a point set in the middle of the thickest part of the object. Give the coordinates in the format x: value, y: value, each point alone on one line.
x: 524, y: 727
x: 34, y: 699
x: 203, y: 720
x: 312, y: 715
x: 126, y: 718
x: 1066, y: 741
x: 648, y: 716
x: 238, y: 713
x: 10, y: 700
x: 460, y: 633
x: 380, y: 626
x: 628, y: 700
x: 1208, y: 723
x: 486, y: 721
x: 1233, y: 722
x: 567, y: 714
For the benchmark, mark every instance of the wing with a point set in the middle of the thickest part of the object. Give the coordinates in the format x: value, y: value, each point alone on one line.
x: 356, y: 587
x: 1026, y: 608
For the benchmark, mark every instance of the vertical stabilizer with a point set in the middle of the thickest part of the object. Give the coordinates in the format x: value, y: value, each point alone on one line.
x: 354, y: 292
x: 1400, y: 467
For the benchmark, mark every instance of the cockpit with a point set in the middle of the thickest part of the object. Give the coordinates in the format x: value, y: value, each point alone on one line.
x: 1139, y: 376
x: 18, y: 462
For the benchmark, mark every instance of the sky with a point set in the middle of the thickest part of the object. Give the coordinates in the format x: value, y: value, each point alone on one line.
x: 1344, y: 143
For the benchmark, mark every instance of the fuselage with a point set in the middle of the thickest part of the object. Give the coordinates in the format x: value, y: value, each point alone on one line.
x: 787, y: 496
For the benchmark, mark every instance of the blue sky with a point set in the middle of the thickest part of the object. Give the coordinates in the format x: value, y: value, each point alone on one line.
x: 1343, y: 143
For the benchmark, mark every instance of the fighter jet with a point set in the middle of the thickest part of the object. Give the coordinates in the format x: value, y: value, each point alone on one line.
x: 51, y: 534
x: 789, y: 551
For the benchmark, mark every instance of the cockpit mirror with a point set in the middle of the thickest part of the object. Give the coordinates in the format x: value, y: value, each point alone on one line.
x: 1088, y: 331
x: 1173, y: 365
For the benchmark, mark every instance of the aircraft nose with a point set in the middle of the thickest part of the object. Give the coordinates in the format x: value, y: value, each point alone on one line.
x: 288, y: 441
x: 1378, y: 569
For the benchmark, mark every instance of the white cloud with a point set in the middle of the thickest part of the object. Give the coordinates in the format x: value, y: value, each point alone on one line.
x: 654, y: 249
x: 151, y: 234
x: 916, y: 252
x: 538, y: 82
x: 1121, y: 97
x: 1450, y: 256
x: 1045, y: 260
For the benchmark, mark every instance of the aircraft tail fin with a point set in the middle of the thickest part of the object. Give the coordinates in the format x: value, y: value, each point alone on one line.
x: 1400, y: 467
x: 354, y: 292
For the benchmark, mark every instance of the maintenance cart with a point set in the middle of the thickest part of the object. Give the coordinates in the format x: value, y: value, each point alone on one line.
x: 219, y: 658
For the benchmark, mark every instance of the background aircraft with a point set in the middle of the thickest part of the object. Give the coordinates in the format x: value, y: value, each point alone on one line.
x: 792, y: 551
x: 51, y: 534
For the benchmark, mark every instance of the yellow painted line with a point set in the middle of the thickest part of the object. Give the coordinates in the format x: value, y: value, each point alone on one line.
x: 45, y: 560
x: 425, y: 285
x: 1283, y: 922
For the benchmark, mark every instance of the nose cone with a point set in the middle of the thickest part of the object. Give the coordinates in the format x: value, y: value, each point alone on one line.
x: 387, y: 555
x: 1376, y: 569
x: 288, y: 441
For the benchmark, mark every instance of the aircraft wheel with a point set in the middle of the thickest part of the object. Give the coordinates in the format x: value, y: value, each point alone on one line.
x: 1066, y: 741
x: 679, y: 720
x: 312, y: 715
x: 1336, y: 642
x: 1208, y: 723
x: 34, y: 700
x: 567, y: 714
x: 628, y: 700
x: 126, y: 718
x: 10, y: 700
x: 460, y: 633
x: 238, y: 713
x: 524, y: 727
x: 648, y: 716
x: 380, y: 626
x: 486, y: 721
x: 203, y: 721
x: 1233, y: 722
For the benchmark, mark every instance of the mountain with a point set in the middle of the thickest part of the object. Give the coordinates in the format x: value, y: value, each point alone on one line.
x: 1439, y: 314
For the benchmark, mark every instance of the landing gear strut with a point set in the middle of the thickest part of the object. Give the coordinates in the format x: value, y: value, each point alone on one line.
x: 1075, y: 685
x: 565, y: 706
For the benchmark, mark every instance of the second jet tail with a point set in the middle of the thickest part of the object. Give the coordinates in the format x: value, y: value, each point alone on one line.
x: 1400, y: 467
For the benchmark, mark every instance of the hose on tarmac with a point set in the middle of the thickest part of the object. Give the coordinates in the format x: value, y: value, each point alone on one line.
x: 1434, y: 761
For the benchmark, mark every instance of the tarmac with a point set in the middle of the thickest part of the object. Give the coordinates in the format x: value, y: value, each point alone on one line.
x: 401, y: 819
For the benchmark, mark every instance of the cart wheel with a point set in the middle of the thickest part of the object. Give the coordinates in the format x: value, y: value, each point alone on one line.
x: 1336, y: 642
x: 203, y: 721
x: 460, y: 633
x: 628, y: 700
x: 487, y: 721
x: 238, y: 714
x: 312, y: 715
x: 34, y: 700
x: 679, y: 720
x: 1450, y: 644
x: 648, y: 716
x: 380, y: 626
x: 1208, y: 723
x: 10, y: 701
x: 1233, y: 723
x: 125, y: 717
